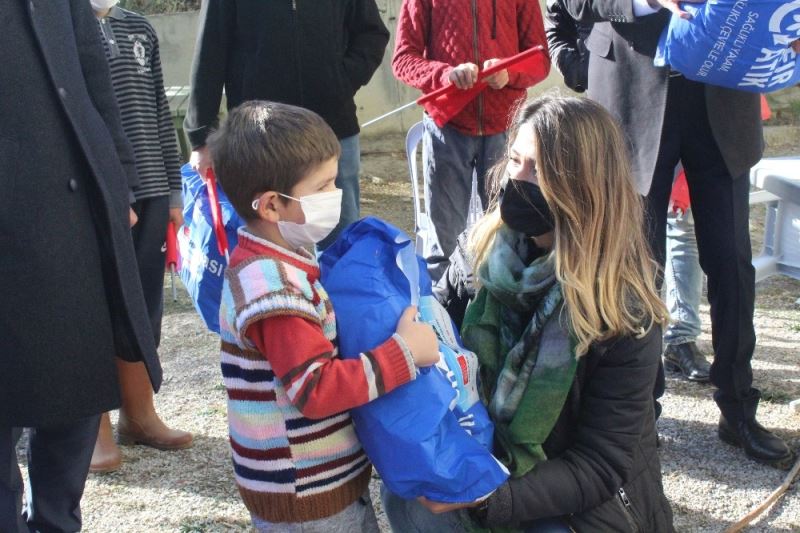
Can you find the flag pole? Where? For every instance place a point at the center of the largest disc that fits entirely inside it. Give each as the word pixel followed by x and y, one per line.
pixel 392 112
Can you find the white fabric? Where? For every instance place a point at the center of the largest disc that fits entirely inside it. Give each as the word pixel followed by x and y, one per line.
pixel 641 8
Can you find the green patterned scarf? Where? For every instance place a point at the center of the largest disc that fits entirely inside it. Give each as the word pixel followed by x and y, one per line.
pixel 526 352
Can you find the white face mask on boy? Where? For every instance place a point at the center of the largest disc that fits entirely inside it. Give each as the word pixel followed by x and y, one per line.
pixel 321 211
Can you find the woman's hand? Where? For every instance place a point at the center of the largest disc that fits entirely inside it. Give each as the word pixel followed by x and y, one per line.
pixel 439 507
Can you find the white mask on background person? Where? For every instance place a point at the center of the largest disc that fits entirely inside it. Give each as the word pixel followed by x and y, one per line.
pixel 102 5
pixel 321 211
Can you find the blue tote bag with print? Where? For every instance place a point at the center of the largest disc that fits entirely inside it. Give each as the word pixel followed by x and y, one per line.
pixel 201 263
pixel 739 44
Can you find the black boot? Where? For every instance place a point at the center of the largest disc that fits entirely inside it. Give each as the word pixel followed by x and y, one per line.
pixel 688 360
pixel 738 427
pixel 757 441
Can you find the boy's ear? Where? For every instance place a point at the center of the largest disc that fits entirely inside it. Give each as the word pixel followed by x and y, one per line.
pixel 269 207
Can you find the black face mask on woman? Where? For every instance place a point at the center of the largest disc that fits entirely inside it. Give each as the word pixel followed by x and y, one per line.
pixel 523 208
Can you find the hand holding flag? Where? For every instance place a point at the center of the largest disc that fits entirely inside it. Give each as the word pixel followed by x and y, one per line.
pixel 443 104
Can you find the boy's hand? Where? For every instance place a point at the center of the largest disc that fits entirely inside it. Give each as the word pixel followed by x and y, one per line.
pixel 132 218
pixel 464 75
pixel 419 338
pixel 498 80
pixel 200 161
pixel 176 216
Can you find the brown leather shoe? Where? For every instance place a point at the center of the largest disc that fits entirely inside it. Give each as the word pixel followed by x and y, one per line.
pixel 106 456
pixel 153 433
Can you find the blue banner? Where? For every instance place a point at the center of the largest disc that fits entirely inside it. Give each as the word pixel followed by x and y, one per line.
pixel 739 44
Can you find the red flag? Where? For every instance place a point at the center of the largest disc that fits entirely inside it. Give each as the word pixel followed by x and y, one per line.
pixel 216 213
pixel 172 248
pixel 679 199
pixel 172 256
pixel 443 104
pixel 766 112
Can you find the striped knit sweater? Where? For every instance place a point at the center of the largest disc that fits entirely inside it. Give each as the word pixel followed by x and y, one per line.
pixel 295 454
pixel 131 46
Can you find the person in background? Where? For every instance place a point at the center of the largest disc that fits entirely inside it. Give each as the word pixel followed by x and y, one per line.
pixel 683 277
pixel 296 458
pixel 717 136
pixel 683 288
pixel 442 43
pixel 131 47
pixel 314 54
pixel 566 43
pixel 72 299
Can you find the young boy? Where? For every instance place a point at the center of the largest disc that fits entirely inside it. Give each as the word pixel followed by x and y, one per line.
pixel 444 42
pixel 295 453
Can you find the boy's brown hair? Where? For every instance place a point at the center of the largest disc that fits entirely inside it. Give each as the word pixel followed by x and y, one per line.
pixel 267 146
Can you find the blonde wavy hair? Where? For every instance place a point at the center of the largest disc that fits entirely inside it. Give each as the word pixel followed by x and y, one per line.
pixel 602 258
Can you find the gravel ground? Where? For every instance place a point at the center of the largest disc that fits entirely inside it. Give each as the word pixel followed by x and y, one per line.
pixel 710 484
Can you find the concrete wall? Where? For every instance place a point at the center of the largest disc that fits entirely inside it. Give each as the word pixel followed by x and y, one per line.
pixel 177 34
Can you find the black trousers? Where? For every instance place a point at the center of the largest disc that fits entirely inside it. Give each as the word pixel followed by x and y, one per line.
pixel 721 214
pixel 149 242
pixel 58 463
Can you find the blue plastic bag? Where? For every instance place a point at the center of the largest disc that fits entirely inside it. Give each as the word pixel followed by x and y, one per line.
pixel 739 44
pixel 201 265
pixel 412 435
pixel 461 366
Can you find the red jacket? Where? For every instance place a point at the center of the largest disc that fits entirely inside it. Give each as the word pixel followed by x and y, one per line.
pixel 433 36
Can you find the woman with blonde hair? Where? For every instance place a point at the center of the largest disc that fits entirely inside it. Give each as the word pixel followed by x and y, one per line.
pixel 566 321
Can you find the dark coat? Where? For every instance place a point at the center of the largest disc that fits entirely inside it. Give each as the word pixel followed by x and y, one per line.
pixel 310 53
pixel 68 277
pixel 603 472
pixel 566 43
pixel 622 78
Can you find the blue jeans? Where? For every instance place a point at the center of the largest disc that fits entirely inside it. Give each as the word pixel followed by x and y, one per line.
pixel 683 280
pixel 449 158
pixel 409 516
pixel 347 181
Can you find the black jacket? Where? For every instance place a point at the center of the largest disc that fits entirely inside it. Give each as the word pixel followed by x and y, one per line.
pixel 310 53
pixel 624 80
pixel 566 43
pixel 603 472
pixel 70 288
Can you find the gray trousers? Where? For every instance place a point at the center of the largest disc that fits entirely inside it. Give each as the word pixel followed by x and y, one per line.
pixel 449 158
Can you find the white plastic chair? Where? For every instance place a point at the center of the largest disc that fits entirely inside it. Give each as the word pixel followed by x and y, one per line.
pixel 423 225
pixel 779 181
